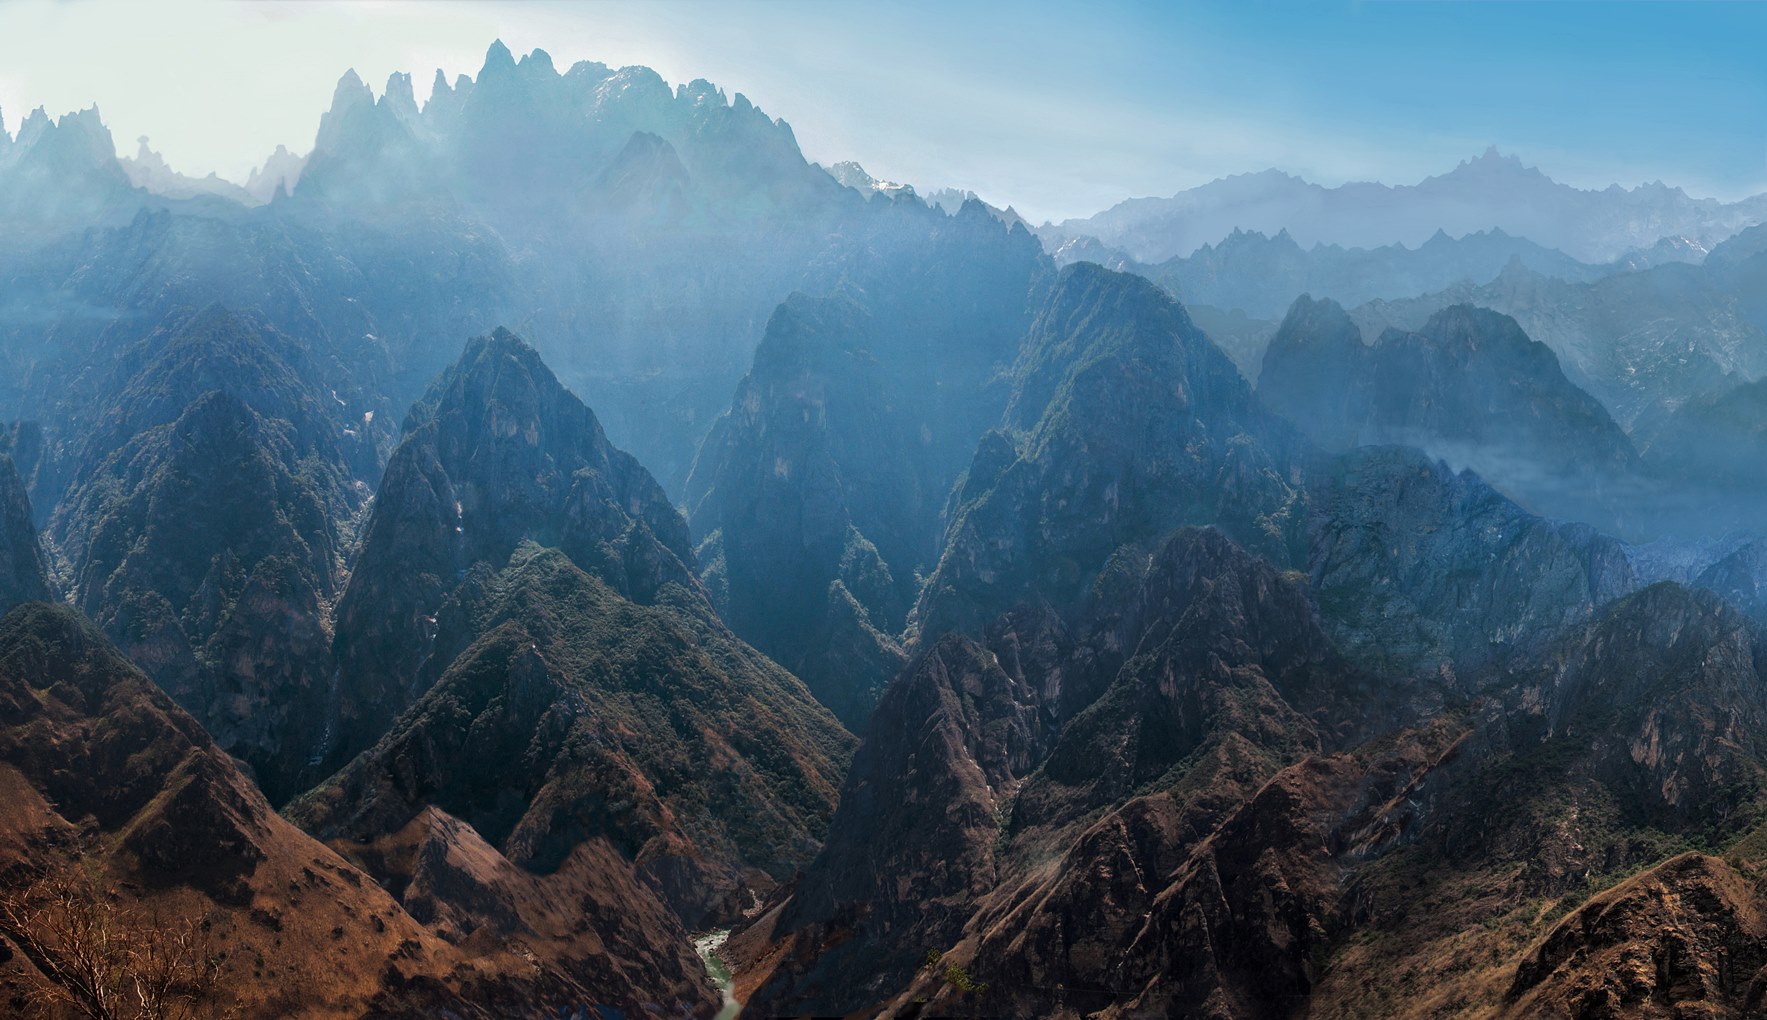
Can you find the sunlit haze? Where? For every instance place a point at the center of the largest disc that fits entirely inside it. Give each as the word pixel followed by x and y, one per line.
pixel 1057 109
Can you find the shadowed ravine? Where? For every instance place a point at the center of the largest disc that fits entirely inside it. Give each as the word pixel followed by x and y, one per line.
pixel 707 946
pixel 551 549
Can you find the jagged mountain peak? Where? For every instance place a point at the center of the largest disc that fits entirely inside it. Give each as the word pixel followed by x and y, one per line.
pixel 180 831
pixel 497 454
pixel 502 70
pixel 278 174
pixel 498 62
pixel 521 147
pixel 590 70
pixel 498 371
pixel 1104 348
pixel 399 95
pixel 1267 174
pixel 536 63
pixel 356 126
pixel 148 170
pixel 633 80
pixel 1671 608
pixel 852 175
pixel 78 135
pixel 147 156
pixel 351 89
pixel 521 447
pixel 1083 278
pixel 1241 240
pixel 445 99
pixel 202 524
pixel 646 178
pixel 1492 156
pixel 35 123
pixel 501 342
pixel 700 91
pixel 1081 290
pixel 1312 321
pixel 1468 326
pixel 1493 165
pixel 1121 316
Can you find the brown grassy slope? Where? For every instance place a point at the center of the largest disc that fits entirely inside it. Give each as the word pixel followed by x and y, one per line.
pixel 97 761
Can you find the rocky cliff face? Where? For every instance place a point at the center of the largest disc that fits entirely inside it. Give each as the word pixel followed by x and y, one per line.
pixel 1197 677
pixel 810 489
pixel 1688 937
pixel 497 453
pixel 1417 567
pixel 1664 695
pixel 1183 779
pixel 948 746
pixel 1215 835
pixel 1125 422
pixel 526 649
pixel 1740 576
pixel 107 776
pixel 578 717
pixel 205 529
pixel 1626 743
pixel 820 492
pixel 1145 913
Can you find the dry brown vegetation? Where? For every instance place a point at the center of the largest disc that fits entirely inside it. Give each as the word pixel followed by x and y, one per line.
pixel 103 957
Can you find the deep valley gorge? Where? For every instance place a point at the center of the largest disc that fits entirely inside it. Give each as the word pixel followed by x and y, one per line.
pixel 556 550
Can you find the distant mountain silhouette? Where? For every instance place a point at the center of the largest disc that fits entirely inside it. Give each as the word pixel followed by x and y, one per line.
pixel 1491 191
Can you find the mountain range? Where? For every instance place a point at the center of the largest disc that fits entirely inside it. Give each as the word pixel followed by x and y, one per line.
pixel 1260 276
pixel 556 551
pixel 1491 191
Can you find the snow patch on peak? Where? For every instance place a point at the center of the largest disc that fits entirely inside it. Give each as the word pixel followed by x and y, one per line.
pixel 853 175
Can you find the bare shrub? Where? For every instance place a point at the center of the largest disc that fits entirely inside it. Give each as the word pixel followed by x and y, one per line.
pixel 104 959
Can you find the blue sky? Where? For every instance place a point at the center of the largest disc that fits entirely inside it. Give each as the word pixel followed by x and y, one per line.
pixel 1058 108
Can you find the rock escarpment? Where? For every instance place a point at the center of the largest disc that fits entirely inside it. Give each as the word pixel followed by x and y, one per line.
pixel 532 668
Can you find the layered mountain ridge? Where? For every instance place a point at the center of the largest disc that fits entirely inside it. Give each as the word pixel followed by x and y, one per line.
pixel 1157 696
pixel 138 853
pixel 1261 275
pixel 1492 190
pixel 1206 665
pixel 1469 387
